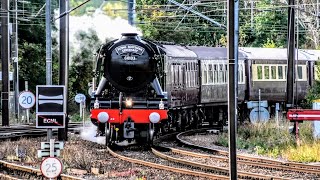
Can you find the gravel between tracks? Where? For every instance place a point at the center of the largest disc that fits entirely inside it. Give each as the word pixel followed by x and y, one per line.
pixel 207 140
pixel 85 159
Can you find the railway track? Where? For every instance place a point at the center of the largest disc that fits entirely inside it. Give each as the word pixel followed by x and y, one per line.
pixel 15 171
pixel 215 169
pixel 167 168
pixel 15 132
pixel 24 172
pixel 245 159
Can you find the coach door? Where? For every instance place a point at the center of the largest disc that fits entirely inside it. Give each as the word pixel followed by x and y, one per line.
pixel 177 81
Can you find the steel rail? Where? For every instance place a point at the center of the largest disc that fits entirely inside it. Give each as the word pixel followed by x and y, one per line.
pixel 167 168
pixel 247 157
pixel 5 176
pixel 241 174
pixel 31 170
pixel 249 163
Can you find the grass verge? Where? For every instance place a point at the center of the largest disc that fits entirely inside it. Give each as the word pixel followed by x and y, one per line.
pixel 276 141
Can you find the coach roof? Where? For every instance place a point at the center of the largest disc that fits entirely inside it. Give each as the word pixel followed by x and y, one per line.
pixel 212 53
pixel 178 51
pixel 255 53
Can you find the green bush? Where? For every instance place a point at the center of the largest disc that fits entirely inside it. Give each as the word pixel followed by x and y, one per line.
pixel 275 141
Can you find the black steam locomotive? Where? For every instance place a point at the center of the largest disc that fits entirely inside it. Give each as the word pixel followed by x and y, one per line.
pixel 129 101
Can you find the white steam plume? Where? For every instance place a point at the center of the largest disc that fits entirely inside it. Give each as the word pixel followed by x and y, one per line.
pixel 89 133
pixel 105 27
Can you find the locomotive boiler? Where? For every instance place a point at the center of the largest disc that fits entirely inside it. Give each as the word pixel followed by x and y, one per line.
pixel 129 102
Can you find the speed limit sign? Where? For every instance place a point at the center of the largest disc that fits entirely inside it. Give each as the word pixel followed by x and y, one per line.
pixel 27 99
pixel 51 167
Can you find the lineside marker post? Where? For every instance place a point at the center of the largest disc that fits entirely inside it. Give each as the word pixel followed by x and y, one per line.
pixel 297 133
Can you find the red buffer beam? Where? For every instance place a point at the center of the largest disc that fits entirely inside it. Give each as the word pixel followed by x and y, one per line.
pixel 303 115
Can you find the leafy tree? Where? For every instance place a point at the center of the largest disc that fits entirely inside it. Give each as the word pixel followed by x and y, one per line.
pixel 88 7
pixel 314 91
pixel 116 9
pixel 80 73
pixel 32 49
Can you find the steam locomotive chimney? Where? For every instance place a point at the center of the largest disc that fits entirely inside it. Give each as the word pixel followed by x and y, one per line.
pixel 130 36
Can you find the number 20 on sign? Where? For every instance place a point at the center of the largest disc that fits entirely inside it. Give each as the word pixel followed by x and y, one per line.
pixel 27 99
pixel 51 167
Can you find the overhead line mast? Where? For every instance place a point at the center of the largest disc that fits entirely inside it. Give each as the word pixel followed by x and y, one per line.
pixel 5 58
pixel 232 31
pixel 291 54
pixel 64 62
pixel 48 53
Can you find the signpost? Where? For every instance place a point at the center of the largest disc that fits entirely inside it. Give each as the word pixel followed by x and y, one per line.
pixel 50 107
pixel 81 98
pixel 303 115
pixel 51 167
pixel 297 115
pixel 27 99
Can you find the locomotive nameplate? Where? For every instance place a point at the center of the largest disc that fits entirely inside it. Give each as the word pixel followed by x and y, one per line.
pixel 129 52
pixel 129 48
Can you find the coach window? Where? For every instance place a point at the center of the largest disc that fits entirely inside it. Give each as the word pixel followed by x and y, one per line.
pixel 210 74
pixel 273 72
pixel 215 73
pixel 171 73
pixel 188 75
pixel 299 72
pixel 280 72
pixel 204 74
pixel 225 73
pixel 177 74
pixel 285 71
pixel 196 74
pixel 221 73
pixel 191 74
pixel 174 75
pixel 194 77
pixel 180 75
pixel 266 72
pixel 240 73
pixel 259 72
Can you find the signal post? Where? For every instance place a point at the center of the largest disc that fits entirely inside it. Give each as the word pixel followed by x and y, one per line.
pixel 50 109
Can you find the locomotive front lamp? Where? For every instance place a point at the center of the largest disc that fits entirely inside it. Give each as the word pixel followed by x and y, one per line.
pixel 103 117
pixel 129 103
pixel 154 117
